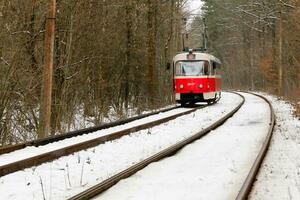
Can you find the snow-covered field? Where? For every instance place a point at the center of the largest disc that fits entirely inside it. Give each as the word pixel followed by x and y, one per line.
pixel 279 178
pixel 213 167
pixel 69 175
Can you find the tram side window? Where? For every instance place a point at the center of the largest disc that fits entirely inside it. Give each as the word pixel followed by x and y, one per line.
pixel 206 68
pixel 178 70
pixel 215 68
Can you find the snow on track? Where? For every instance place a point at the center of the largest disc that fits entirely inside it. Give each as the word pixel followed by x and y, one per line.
pixel 213 167
pixel 72 174
pixel 279 177
pixel 32 151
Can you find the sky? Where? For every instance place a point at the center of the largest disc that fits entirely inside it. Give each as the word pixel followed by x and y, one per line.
pixel 195 6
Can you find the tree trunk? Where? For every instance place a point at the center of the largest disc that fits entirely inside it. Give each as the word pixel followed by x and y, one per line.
pixel 280 72
pixel 151 49
pixel 129 50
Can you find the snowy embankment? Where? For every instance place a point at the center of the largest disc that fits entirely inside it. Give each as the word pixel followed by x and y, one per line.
pixel 279 177
pixel 213 167
pixel 71 174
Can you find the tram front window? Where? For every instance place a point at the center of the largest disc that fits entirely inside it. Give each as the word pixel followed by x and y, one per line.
pixel 188 68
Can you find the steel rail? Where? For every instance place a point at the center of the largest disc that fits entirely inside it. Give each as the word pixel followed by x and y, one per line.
pixel 52 155
pixel 247 185
pixel 101 187
pixel 55 138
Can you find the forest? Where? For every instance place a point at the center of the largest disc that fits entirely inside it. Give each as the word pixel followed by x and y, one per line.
pixel 110 56
pixel 258 42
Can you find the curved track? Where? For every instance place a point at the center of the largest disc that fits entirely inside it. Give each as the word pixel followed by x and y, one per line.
pixel 246 188
pixel 99 188
pixel 243 192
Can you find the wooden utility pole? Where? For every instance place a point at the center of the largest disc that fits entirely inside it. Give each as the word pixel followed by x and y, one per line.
pixel 204 35
pixel 184 19
pixel 45 109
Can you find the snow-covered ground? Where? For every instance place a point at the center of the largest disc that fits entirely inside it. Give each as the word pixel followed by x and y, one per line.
pixel 71 174
pixel 279 177
pixel 213 167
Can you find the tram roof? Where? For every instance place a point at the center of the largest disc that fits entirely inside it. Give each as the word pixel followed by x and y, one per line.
pixel 198 56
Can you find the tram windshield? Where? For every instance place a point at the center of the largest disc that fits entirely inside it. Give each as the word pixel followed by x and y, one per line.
pixel 191 68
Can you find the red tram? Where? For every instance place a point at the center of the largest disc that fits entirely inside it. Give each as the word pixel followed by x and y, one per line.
pixel 196 77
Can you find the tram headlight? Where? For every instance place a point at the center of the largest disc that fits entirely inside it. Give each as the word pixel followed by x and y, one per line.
pixel 200 86
pixel 181 86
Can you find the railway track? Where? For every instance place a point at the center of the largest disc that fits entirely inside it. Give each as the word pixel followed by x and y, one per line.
pixel 104 185
pixel 109 182
pixel 55 138
pixel 247 185
pixel 67 150
pixel 243 192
